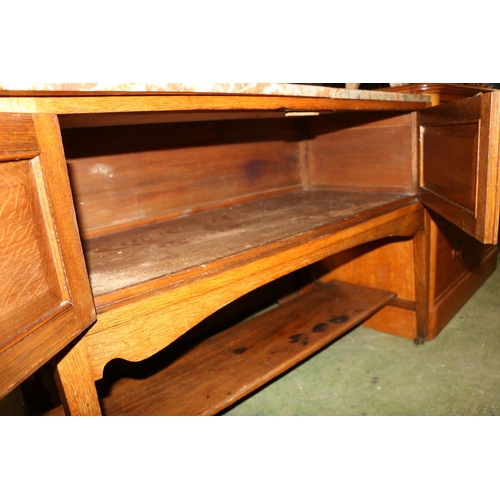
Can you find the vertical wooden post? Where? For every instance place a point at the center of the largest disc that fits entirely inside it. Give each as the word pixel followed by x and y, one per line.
pixel 421 251
pixel 75 382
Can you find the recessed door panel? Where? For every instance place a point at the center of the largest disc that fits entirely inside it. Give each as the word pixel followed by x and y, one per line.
pixel 45 297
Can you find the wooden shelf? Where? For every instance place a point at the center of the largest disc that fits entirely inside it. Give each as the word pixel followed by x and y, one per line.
pixel 208 240
pixel 223 368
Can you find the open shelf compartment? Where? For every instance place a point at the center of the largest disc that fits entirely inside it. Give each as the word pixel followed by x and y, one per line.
pixel 131 261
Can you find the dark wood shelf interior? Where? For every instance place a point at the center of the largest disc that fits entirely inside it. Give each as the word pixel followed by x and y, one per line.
pixel 210 239
pixel 208 376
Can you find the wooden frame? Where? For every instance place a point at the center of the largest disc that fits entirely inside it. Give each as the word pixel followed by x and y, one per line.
pixel 224 194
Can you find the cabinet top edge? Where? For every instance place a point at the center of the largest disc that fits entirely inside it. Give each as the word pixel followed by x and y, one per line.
pixel 429 88
pixel 27 89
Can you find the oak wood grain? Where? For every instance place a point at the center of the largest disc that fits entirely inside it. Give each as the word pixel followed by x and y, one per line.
pixel 74 381
pixel 45 294
pixel 138 104
pixel 28 278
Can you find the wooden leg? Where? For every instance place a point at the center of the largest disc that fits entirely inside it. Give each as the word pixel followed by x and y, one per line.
pixel 75 382
pixel 421 250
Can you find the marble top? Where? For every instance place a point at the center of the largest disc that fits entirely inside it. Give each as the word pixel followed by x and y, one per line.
pixel 277 89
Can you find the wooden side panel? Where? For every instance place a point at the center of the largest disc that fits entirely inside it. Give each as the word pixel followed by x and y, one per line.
pixel 459 144
pixel 30 286
pixel 386 264
pixel 370 152
pixel 394 320
pixel 125 176
pixel 461 290
pixel 45 298
pixel 457 254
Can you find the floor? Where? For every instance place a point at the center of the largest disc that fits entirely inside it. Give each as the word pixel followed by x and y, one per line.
pixel 370 373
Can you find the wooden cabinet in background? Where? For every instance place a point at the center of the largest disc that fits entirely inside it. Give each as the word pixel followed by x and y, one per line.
pixel 186 203
pixel 459 263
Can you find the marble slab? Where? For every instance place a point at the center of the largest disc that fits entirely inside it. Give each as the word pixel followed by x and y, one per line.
pixel 278 89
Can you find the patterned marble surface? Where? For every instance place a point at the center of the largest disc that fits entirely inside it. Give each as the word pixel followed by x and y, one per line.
pixel 280 89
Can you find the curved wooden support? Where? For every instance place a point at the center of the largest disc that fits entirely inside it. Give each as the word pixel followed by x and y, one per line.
pixel 137 330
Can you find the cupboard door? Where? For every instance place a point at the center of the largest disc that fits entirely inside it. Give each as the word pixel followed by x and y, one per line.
pixel 459 163
pixel 45 296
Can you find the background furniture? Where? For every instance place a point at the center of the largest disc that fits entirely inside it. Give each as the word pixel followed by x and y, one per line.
pixel 459 263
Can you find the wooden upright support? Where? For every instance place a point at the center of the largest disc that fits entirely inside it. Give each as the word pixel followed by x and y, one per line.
pixel 75 382
pixel 421 249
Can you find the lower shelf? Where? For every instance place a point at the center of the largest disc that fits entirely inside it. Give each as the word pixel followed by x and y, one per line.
pixel 223 368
